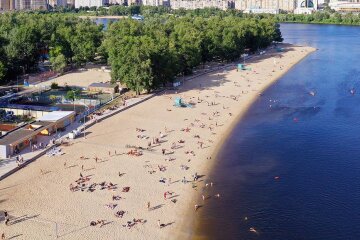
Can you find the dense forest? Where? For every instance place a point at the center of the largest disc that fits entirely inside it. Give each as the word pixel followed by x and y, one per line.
pixel 145 55
pixel 28 38
pixel 142 54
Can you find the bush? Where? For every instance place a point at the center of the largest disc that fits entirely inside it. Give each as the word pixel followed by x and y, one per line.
pixel 54 85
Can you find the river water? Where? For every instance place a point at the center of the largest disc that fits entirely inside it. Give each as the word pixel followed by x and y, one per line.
pixel 311 144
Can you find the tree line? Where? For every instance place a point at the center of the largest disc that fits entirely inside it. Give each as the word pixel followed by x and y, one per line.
pixel 26 39
pixel 143 55
pixel 146 55
pixel 324 17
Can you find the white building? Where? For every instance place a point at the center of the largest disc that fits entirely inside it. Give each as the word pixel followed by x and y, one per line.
pixel 90 3
pixel 307 6
pixel 345 6
pixel 198 4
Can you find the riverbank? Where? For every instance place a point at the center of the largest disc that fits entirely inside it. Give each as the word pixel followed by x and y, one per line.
pixel 146 183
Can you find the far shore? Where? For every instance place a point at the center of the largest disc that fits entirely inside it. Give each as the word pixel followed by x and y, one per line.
pixel 147 183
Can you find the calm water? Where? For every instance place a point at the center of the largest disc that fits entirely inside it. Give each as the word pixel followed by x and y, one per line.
pixel 105 21
pixel 317 158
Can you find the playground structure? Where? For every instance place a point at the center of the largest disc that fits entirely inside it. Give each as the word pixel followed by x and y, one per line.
pixel 242 67
pixel 180 103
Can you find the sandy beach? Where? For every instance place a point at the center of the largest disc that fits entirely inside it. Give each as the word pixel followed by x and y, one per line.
pixel 139 193
pixel 79 78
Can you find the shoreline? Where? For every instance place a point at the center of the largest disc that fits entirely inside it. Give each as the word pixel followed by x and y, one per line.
pixel 48 192
pixel 215 153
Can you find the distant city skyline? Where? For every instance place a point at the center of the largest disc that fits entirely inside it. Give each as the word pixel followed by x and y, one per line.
pixel 254 6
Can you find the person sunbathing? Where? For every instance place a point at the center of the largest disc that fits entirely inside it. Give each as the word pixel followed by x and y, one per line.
pixel 111 205
pixel 116 197
pixel 119 214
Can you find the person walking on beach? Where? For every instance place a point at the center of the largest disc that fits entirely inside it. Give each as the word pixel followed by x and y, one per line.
pixel 158 223
pixel 196 207
pixel 148 206
pixel 3 236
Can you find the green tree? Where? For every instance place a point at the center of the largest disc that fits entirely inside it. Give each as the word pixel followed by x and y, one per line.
pixel 58 63
pixel 2 72
pixel 73 94
pixel 22 49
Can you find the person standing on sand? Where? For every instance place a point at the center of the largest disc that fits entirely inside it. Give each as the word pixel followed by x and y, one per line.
pixel 3 236
pixel 158 223
pixel 196 207
pixel 184 180
pixel 148 206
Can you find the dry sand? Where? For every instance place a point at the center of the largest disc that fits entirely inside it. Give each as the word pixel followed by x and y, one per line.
pixel 41 206
pixel 80 78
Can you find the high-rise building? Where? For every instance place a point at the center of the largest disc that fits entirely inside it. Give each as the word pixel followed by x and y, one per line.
pixel 90 3
pixel 4 5
pixel 38 4
pixel 54 3
pixel 196 4
pixel 28 4
pixel 248 5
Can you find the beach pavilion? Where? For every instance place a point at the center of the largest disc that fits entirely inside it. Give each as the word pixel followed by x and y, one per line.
pixel 25 135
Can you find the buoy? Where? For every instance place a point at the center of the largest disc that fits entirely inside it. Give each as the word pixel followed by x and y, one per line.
pixel 276 177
